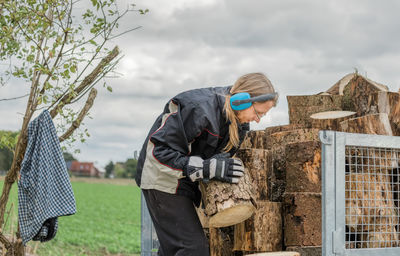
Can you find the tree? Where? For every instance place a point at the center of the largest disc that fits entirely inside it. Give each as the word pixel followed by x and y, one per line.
pixel 109 169
pixel 130 167
pixel 68 157
pixel 119 170
pixel 61 54
pixel 6 155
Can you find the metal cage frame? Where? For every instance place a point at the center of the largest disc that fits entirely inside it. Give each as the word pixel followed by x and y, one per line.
pixel 333 190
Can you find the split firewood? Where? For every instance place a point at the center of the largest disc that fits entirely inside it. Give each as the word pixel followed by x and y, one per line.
pixel 369 124
pixel 303 167
pixel 330 120
pixel 302 107
pixel 262 232
pixel 386 102
pixel 303 219
pixel 357 92
pixel 339 87
pixel 221 241
pixel 369 202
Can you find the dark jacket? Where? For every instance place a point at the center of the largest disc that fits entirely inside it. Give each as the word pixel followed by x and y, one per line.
pixel 193 123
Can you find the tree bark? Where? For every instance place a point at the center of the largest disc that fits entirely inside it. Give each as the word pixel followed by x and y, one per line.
pixel 330 120
pixel 228 204
pixel 369 124
pixel 221 241
pixel 262 232
pixel 257 162
pixel 302 107
pixel 303 167
pixel 302 219
pixel 357 92
pixel 386 102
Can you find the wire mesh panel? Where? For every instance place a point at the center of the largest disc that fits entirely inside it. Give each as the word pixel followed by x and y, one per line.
pixel 371 194
pixel 360 185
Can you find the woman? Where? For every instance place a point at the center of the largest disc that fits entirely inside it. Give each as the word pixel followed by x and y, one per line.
pixel 191 141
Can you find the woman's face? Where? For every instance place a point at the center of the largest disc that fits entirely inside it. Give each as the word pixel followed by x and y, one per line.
pixel 255 112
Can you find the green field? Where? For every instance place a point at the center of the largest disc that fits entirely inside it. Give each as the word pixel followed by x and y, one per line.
pixel 107 222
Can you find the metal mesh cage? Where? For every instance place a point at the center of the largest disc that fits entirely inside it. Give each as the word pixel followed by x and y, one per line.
pixel 371 197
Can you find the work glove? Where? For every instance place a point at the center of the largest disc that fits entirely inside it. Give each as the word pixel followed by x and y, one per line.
pixel 220 167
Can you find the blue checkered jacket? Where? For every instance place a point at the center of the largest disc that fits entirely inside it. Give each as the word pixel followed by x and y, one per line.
pixel 44 188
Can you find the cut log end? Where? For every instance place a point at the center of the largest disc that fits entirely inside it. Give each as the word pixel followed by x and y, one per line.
pixel 232 215
pixel 332 114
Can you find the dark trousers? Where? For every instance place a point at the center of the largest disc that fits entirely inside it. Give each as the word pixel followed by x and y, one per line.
pixel 177 225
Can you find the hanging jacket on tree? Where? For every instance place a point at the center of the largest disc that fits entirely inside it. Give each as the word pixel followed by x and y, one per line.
pixel 193 123
pixel 44 188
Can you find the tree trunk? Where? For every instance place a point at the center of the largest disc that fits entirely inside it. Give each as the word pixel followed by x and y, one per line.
pixel 369 124
pixel 228 204
pixel 330 120
pixel 302 107
pixel 262 232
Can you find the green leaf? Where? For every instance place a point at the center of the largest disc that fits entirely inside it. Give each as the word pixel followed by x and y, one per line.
pixel 109 88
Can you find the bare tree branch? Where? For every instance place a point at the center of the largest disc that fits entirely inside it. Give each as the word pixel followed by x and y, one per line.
pixel 75 124
pixel 86 82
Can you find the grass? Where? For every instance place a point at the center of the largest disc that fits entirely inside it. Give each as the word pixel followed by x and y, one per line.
pixel 107 222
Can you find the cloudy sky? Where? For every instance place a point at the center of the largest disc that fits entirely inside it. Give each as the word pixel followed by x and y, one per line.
pixel 304 47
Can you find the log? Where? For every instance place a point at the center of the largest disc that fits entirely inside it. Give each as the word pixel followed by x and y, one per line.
pixel 258 138
pixel 356 94
pixel 221 241
pixel 302 219
pixel 370 124
pixel 369 159
pixel 303 167
pixel 228 204
pixel 339 87
pixel 369 202
pixel 276 144
pixel 254 139
pixel 381 238
pixel 202 216
pixel 306 250
pixel 302 107
pixel 386 102
pixel 256 162
pixel 330 120
pixel 262 232
pixel 279 139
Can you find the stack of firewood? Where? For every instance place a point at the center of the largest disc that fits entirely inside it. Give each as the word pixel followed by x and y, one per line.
pixel 283 165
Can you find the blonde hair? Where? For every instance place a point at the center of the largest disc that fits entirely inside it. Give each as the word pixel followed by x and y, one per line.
pixel 255 84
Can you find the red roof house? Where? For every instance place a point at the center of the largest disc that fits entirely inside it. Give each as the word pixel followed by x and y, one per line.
pixel 86 169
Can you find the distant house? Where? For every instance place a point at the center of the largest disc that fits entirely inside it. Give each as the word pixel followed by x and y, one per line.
pixel 85 169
